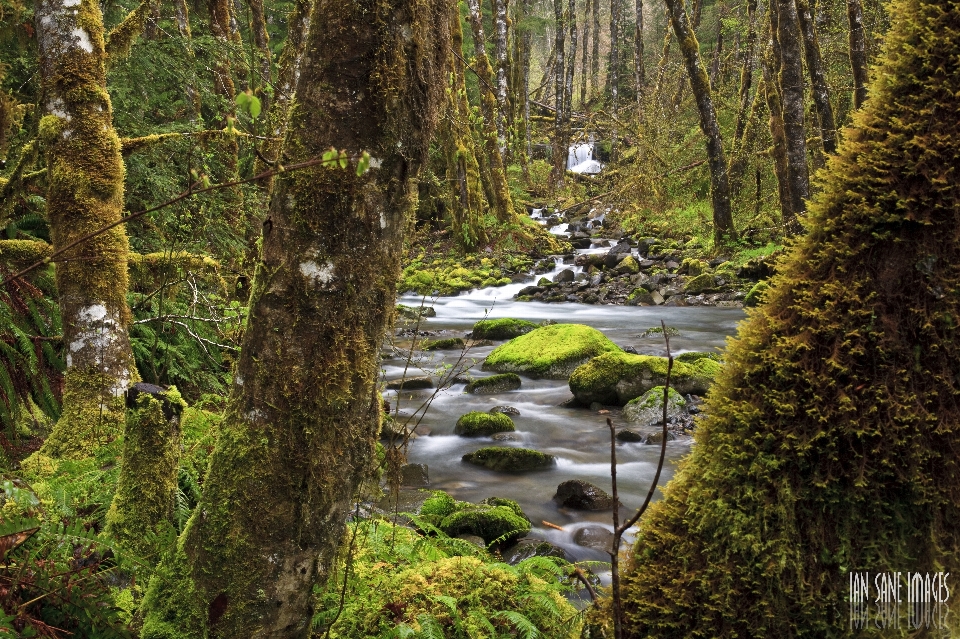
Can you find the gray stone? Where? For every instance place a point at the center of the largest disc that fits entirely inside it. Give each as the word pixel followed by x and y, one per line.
pixel 566 275
pixel 473 539
pixel 414 475
pixel 506 410
pixel 411 383
pixel 657 438
pixel 582 495
pixel 596 537
pixel 647 409
pixel 527 548
pixel 630 436
pixel 657 298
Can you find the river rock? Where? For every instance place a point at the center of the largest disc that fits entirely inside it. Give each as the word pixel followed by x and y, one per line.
pixel 527 548
pixel 596 537
pixel 506 437
pixel 628 265
pixel 647 410
pixel 657 438
pixel 445 344
pixel 630 436
pixel 582 495
pixel 700 284
pixel 510 459
pixel 500 383
pixel 477 424
pixel 414 313
pixel 411 383
pixel 656 297
pixel 566 275
pixel 551 352
pixel 414 475
pixel 476 540
pixel 618 377
pixel 506 410
pixel 487 522
pixel 503 328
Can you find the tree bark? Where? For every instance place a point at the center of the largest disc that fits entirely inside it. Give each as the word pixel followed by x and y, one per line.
pixel 85 175
pixel 718 49
pixel 818 77
pixel 500 60
pixel 584 61
pixel 779 149
pixel 559 149
pixel 858 52
pixel 571 66
pixel 595 60
pixel 613 73
pixel 301 424
pixel 261 41
pixel 791 88
pixel 638 70
pixel 723 229
pixel 182 15
pixel 746 73
pixel 497 176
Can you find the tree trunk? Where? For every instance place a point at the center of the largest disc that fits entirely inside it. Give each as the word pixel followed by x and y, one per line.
pixel 299 432
pixel 571 66
pixel 500 59
pixel 638 70
pixel 584 62
pixel 468 203
pixel 791 88
pixel 858 52
pixel 844 380
pixel 718 49
pixel 723 229
pixel 261 41
pixel 85 175
pixel 779 149
pixel 498 189
pixel 818 78
pixel 559 148
pixel 664 58
pixel 182 15
pixel 613 73
pixel 595 61
pixel 746 73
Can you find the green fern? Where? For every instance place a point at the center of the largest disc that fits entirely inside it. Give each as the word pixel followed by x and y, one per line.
pixel 525 627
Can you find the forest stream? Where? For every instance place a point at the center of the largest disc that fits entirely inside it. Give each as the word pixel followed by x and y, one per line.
pixel 578 437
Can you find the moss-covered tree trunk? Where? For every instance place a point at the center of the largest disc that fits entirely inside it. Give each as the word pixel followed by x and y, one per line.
pixel 858 51
pixel 301 424
pixel 746 73
pixel 818 77
pixel 639 73
pixel 787 34
pixel 831 437
pixel 85 178
pixel 502 68
pixel 585 55
pixel 723 229
pixel 595 54
pixel 263 69
pixel 182 15
pixel 559 139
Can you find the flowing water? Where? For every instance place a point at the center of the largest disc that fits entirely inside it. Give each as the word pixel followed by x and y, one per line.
pixel 578 437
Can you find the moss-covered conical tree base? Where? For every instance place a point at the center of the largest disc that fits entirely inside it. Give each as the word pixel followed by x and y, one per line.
pixel 832 442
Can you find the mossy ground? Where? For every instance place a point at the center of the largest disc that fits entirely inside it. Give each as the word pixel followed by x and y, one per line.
pixel 551 352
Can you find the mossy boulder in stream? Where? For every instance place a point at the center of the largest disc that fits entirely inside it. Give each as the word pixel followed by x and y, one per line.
pixel 510 459
pixel 445 344
pixel 647 409
pixel 616 378
pixel 488 522
pixel 500 383
pixel 503 328
pixel 478 424
pixel 551 352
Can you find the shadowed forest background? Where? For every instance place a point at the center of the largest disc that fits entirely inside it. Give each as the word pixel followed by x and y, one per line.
pixel 238 239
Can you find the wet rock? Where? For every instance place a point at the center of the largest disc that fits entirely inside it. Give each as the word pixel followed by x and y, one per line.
pixel 544 266
pixel 506 437
pixel 618 377
pixel 676 300
pixel 580 243
pixel 510 459
pixel 527 548
pixel 484 521
pixel 494 384
pixel 506 410
pixel 477 424
pixel 672 265
pixel 472 539
pixel 630 436
pixel 550 352
pixel 657 298
pixel 414 475
pixel 566 275
pixel 411 383
pixel 657 438
pixel 529 291
pixel 413 313
pixel 596 537
pixel 700 284
pixel 647 410
pixel 446 344
pixel 582 495
pixel 628 265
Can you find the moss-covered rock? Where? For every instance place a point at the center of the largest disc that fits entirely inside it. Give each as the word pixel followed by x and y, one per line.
pixel 503 328
pixel 499 383
pixel 647 409
pixel 628 265
pixel 489 522
pixel 582 495
pixel 640 296
pixel 438 506
pixel 477 424
pixel 510 459
pixel 616 378
pixel 700 284
pixel 695 356
pixel 551 352
pixel 445 344
pixel 509 503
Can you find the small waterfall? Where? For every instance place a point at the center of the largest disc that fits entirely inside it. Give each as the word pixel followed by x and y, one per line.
pixel 580 160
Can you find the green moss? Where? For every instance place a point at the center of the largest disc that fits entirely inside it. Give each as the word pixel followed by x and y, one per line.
pixel 628 265
pixel 552 352
pixel 695 356
pixel 755 295
pixel 509 503
pixel 503 328
pixel 616 378
pixel 510 459
pixel 445 344
pixel 488 522
pixel 494 384
pixel 18 254
pixel 700 284
pixel 439 505
pixel 477 424
pixel 654 398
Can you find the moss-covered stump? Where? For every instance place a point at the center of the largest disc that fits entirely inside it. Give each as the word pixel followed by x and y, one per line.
pixel 489 522
pixel 500 383
pixel 478 424
pixel 831 436
pixel 445 344
pixel 510 459
pixel 551 352
pixel 616 378
pixel 647 409
pixel 503 328
pixel 147 487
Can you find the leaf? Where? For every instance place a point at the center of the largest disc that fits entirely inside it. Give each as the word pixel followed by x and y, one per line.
pixel 11 541
pixel 255 107
pixel 243 99
pixel 343 159
pixel 363 164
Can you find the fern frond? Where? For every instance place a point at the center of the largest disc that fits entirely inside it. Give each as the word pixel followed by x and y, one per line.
pixel 525 627
pixel 430 627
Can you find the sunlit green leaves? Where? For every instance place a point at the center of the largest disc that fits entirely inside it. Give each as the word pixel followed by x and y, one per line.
pixel 249 103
